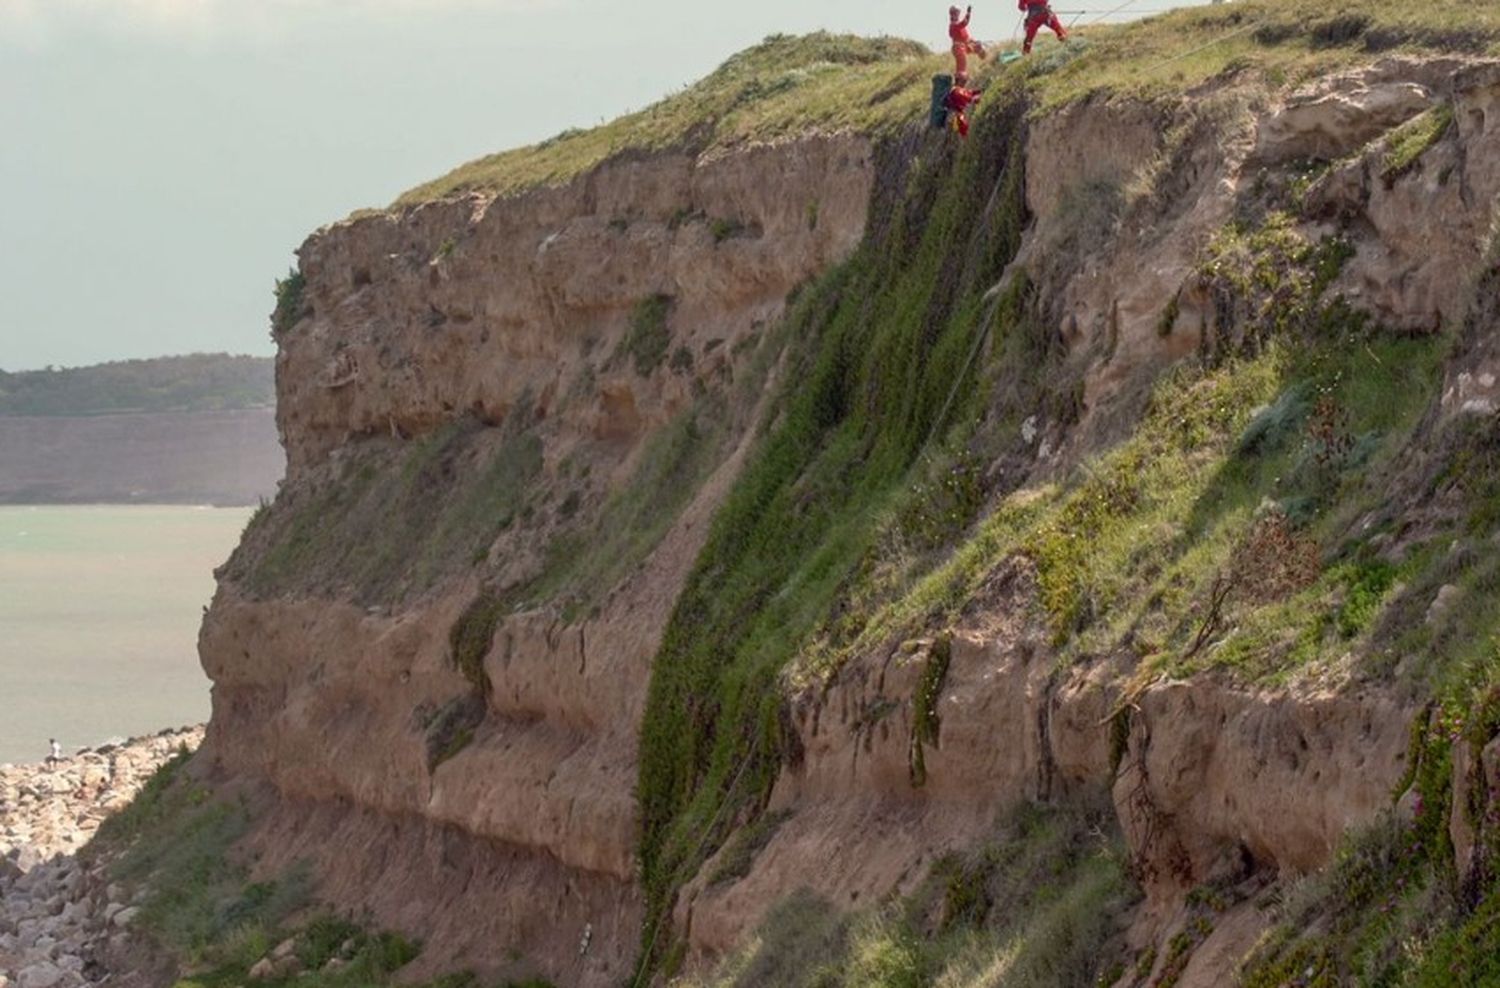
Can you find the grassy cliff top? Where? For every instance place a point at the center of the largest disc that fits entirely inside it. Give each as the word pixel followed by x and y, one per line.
pixel 822 83
pixel 1287 41
pixel 782 86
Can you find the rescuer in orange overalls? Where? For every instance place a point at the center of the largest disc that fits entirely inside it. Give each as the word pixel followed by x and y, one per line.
pixel 963 45
pixel 958 101
pixel 1039 13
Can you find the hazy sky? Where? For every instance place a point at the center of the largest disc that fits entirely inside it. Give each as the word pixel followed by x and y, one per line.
pixel 161 159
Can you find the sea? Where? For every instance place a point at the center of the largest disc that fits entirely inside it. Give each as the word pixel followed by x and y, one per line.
pixel 99 616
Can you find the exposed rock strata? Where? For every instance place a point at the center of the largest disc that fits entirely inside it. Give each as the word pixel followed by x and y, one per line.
pixel 492 309
pixel 514 313
pixel 1217 781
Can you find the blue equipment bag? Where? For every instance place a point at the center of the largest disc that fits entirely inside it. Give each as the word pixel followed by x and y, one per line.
pixel 941 86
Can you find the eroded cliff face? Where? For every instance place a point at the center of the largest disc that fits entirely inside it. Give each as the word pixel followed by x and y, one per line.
pixel 580 321
pixel 522 361
pixel 492 307
pixel 1213 781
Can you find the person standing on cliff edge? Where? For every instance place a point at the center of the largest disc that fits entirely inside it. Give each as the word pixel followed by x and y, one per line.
pixel 1039 13
pixel 55 758
pixel 963 44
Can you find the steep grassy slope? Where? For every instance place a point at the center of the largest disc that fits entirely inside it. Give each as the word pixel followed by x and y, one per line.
pixel 886 364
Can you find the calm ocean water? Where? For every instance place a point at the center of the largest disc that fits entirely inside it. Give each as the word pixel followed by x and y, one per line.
pixel 99 614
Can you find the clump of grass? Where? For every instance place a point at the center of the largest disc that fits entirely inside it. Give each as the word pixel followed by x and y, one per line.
pixel 150 805
pixel 1060 880
pixel 450 729
pixel 1131 549
pixel 472 634
pixel 393 519
pixel 724 229
pixel 177 842
pixel 648 338
pixel 1412 139
pixel 291 305
pixel 926 724
pixel 582 567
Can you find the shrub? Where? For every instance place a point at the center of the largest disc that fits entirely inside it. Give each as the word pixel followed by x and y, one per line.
pixel 471 636
pixel 726 229
pixel 291 307
pixel 1411 140
pixel 648 338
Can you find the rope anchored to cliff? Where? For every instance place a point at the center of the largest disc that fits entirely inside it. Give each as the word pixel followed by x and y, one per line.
pixel 643 969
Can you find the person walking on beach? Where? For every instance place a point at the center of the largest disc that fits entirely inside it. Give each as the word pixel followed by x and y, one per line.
pixel 56 757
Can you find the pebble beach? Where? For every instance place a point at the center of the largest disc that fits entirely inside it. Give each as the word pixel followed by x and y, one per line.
pixel 61 918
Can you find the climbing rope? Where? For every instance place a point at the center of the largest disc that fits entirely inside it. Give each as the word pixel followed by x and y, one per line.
pixel 1205 47
pixel 640 973
pixel 1113 11
pixel 984 334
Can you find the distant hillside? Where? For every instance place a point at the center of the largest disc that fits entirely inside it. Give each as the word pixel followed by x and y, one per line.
pixel 196 383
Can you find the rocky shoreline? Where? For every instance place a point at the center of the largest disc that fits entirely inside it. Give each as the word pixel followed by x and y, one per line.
pixel 59 917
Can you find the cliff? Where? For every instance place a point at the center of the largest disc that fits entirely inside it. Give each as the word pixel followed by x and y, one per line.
pixel 792 548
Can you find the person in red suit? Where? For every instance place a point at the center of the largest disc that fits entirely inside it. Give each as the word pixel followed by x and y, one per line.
pixel 1038 14
pixel 963 44
pixel 958 101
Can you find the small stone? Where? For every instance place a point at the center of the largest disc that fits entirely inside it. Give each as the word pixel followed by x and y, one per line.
pixel 126 916
pixel 43 975
pixel 263 970
pixel 1443 603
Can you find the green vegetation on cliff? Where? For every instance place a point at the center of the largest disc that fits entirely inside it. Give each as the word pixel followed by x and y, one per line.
pixel 1249 525
pixel 889 352
pixel 199 906
pixel 1038 906
pixel 395 518
pixel 205 382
